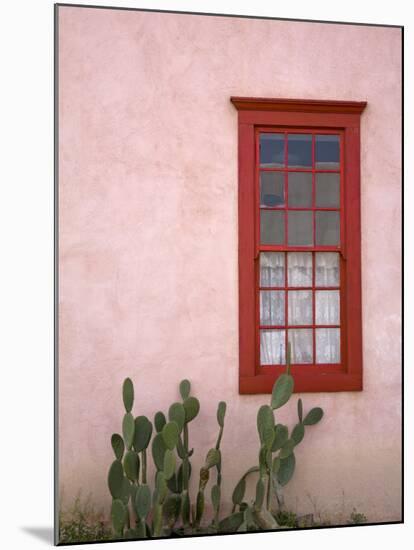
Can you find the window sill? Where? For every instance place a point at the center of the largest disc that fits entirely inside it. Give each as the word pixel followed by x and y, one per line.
pixel 309 382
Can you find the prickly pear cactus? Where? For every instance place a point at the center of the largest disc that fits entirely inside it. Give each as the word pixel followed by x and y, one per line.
pixel 277 460
pixel 157 511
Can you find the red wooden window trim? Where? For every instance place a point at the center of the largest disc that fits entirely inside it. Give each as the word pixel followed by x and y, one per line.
pixel 312 116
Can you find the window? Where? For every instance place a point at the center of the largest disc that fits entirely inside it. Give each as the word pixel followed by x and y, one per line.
pixel 299 243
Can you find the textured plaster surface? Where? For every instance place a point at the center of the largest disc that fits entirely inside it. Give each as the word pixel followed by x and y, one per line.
pixel 148 241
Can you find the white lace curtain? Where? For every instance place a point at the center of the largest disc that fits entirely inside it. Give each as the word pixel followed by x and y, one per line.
pixel 300 307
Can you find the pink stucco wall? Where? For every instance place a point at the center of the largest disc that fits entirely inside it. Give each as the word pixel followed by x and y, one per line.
pixel 148 240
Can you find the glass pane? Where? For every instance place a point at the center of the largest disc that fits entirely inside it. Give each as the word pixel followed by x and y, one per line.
pixel 272 227
pixel 300 307
pixel 300 268
pixel 300 189
pixel 272 269
pixel 272 150
pixel 327 152
pixel 272 347
pixel 301 345
pixel 299 150
pixel 300 228
pixel 272 189
pixel 327 307
pixel 327 269
pixel 328 348
pixel 327 190
pixel 327 228
pixel 272 307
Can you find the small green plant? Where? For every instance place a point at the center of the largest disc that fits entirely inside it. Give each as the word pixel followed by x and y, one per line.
pixel 82 523
pixel 286 519
pixel 357 518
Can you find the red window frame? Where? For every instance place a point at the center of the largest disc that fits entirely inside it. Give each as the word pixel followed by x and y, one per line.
pixel 305 116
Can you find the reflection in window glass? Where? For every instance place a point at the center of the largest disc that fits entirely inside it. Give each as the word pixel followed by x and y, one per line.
pixel 300 189
pixel 300 230
pixel 272 347
pixel 272 227
pixel 299 150
pixel 272 150
pixel 327 228
pixel 327 190
pixel 327 152
pixel 272 189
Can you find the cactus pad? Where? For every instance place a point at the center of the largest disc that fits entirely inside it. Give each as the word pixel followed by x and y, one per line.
pixel 287 467
pixel 128 429
pixel 287 449
pixel 313 416
pixel 282 390
pixel 176 413
pixel 143 501
pixel 300 410
pixel 119 515
pixel 221 412
pixel 128 394
pixel 115 479
pixel 118 446
pixel 158 451
pixel 298 433
pixel 213 458
pixel 159 421
pixel 260 494
pixel 239 490
pixel 281 436
pixel 131 465
pixel 231 523
pixel 215 497
pixel 170 434
pixel 142 434
pixel 185 388
pixel 191 406
pixel 169 464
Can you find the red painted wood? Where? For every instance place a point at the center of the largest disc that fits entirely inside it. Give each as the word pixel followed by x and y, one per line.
pixel 246 251
pixel 278 327
pixel 300 208
pixel 298 105
pixel 300 287
pixel 314 236
pixel 310 117
pixel 284 247
pixel 304 120
pixel 353 252
pixel 310 382
pixel 310 170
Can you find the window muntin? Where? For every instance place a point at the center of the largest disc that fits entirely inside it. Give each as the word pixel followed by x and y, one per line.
pixel 299 175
